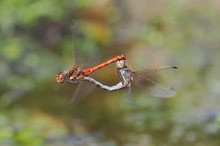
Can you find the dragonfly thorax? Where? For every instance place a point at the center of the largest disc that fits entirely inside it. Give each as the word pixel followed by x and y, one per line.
pixel 76 73
pixel 125 75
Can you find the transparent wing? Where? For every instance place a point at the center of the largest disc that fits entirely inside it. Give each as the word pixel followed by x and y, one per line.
pixel 145 80
pixel 130 99
pixel 82 91
pixel 85 51
pixel 84 55
pixel 161 91
pixel 77 39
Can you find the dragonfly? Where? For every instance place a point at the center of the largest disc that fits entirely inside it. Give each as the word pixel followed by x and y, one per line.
pixel 77 73
pixel 128 79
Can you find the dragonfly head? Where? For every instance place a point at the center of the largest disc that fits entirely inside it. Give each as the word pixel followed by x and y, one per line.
pixel 60 77
pixel 121 64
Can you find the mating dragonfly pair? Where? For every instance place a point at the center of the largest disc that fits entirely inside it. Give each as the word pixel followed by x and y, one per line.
pixel 128 77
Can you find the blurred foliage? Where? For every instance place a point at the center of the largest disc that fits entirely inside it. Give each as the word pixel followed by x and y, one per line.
pixel 39 37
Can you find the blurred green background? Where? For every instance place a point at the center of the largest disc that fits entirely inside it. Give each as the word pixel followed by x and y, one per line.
pixel 39 37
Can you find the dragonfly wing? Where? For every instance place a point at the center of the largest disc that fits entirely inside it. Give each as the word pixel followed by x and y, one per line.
pixel 131 100
pixel 164 92
pixel 82 90
pixel 145 80
pixel 86 51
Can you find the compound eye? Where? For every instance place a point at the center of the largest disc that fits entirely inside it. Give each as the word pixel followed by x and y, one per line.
pixel 120 64
pixel 60 77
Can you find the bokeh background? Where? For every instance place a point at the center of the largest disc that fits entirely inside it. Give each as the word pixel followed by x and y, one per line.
pixel 39 37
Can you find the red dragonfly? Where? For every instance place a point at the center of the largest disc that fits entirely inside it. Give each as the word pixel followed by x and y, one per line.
pixel 76 73
pixel 128 78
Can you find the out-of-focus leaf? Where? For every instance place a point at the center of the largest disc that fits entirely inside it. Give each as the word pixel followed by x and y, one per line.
pixel 12 49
